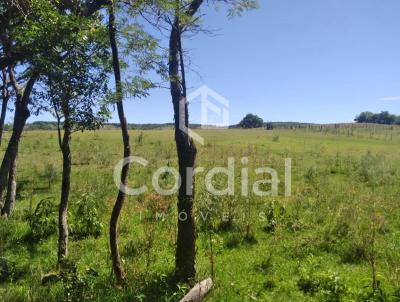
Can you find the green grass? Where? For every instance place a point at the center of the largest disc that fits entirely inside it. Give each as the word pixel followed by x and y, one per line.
pixel 316 247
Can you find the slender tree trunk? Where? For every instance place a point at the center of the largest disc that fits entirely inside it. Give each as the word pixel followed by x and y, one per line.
pixel 12 149
pixel 6 97
pixel 186 237
pixel 65 188
pixel 3 117
pixel 21 115
pixel 115 257
pixel 11 191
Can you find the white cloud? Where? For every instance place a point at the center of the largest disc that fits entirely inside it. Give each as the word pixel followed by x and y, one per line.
pixel 390 98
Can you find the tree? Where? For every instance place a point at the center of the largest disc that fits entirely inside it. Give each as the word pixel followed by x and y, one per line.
pixel 186 237
pixel 7 209
pixel 21 114
pixel 141 51
pixel 32 30
pixel 251 121
pixel 384 117
pixel 11 190
pixel 22 35
pixel 364 117
pixel 182 16
pixel 115 257
pixel 75 78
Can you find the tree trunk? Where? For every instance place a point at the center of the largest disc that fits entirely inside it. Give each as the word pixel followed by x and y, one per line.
pixel 115 256
pixel 3 117
pixel 11 191
pixel 186 237
pixel 6 97
pixel 21 115
pixel 65 188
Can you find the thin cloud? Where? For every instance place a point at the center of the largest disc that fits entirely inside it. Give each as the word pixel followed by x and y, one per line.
pixel 390 98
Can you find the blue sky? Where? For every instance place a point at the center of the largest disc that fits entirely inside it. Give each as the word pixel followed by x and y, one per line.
pixel 318 61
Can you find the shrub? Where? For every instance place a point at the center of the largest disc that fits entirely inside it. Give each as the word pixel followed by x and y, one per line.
pixel 328 286
pixel 77 287
pixel 270 217
pixel 353 252
pixel 42 222
pixel 132 249
pixel 250 238
pixel 140 137
pixel 50 173
pixel 157 207
pixel 86 220
pixel 377 295
pixel 311 173
pixel 232 241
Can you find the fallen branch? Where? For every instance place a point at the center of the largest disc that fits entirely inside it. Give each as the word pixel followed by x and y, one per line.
pixel 199 291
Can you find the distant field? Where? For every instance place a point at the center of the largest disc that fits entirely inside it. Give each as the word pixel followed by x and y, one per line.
pixel 323 243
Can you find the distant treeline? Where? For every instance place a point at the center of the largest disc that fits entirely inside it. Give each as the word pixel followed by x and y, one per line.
pixel 45 125
pixel 384 118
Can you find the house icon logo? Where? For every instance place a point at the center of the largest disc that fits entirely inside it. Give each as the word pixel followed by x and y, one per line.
pixel 214 111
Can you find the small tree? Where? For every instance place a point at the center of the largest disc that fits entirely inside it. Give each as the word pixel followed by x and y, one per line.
pixel 251 121
pixel 179 17
pixel 141 52
pixel 75 82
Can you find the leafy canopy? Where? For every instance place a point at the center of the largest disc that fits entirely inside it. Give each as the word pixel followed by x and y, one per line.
pixel 251 121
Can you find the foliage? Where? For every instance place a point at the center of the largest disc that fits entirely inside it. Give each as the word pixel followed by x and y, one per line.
pixel 77 287
pixel 329 286
pixel 378 118
pixel 251 121
pixel 74 79
pixel 50 173
pixel 239 7
pixel 42 221
pixel 86 219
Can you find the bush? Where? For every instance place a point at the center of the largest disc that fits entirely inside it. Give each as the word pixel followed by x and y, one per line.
pixel 86 220
pixel 311 173
pixel 353 253
pixel 377 295
pixel 232 241
pixel 270 217
pixel 132 249
pixel 250 238
pixel 43 222
pixel 50 173
pixel 77 287
pixel 328 286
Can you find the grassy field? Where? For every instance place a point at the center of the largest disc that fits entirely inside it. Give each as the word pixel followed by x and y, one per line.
pixel 338 230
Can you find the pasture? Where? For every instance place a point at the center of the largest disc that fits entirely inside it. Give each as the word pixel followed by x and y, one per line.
pixel 334 239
